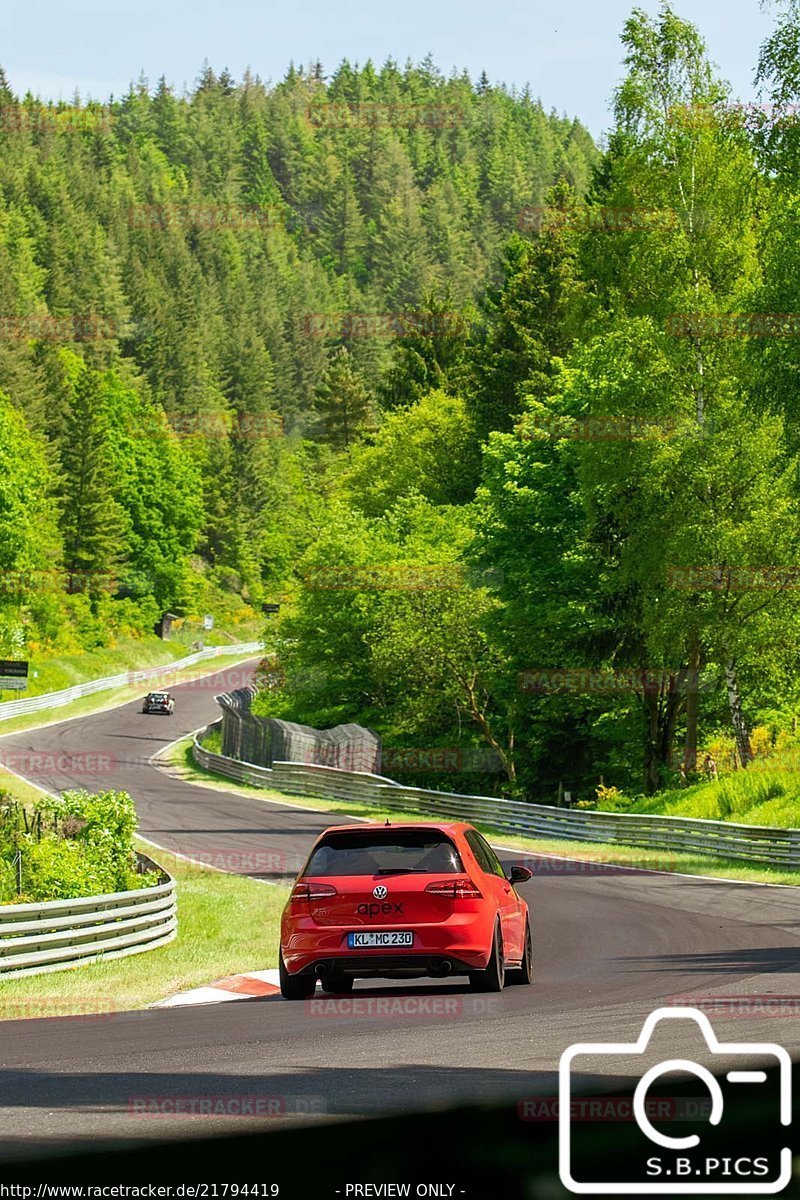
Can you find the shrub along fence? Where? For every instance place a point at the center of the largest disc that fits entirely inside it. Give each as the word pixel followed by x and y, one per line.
pixel 39 938
pixel 82 892
pixel 718 839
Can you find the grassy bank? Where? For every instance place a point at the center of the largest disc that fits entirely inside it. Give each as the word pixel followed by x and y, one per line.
pixel 767 793
pixel 53 670
pixel 181 762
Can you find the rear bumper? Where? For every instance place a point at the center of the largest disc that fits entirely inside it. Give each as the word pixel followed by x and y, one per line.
pixel 388 966
pixel 464 941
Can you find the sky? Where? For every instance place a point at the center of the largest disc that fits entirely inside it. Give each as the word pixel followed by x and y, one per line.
pixel 567 50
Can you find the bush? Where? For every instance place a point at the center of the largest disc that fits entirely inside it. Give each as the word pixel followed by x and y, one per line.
pixel 58 868
pixel 78 844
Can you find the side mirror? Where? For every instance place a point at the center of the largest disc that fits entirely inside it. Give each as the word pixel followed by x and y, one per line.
pixel 519 875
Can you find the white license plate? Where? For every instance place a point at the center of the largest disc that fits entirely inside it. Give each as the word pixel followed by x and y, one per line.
pixel 371 938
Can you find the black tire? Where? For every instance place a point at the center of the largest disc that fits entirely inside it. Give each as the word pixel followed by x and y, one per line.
pixel 524 972
pixel 295 987
pixel 493 979
pixel 337 985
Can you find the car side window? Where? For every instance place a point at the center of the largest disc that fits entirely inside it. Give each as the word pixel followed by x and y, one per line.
pixel 495 866
pixel 479 848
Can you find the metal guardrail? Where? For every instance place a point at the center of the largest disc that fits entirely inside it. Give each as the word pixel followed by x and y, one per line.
pixel 231 768
pixel 18 708
pixel 719 839
pixel 39 938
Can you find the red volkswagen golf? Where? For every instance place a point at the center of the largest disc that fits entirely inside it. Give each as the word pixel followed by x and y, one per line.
pixel 400 901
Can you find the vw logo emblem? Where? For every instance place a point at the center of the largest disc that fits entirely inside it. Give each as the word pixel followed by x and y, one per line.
pixel 380 892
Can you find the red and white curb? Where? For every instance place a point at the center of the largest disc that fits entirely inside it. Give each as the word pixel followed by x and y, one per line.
pixel 233 987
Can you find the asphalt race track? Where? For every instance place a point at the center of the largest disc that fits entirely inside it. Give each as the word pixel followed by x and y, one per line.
pixel 609 948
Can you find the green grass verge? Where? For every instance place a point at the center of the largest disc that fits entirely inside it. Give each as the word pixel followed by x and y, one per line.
pixel 227 924
pixel 181 762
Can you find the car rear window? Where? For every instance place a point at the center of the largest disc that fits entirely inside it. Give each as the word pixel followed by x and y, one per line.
pixel 386 852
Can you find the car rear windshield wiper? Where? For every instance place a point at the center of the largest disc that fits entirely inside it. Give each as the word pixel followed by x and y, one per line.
pixel 402 871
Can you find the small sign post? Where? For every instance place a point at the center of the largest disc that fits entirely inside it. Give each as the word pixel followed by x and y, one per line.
pixel 13 675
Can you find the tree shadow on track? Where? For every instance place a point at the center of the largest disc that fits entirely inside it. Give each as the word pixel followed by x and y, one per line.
pixel 726 962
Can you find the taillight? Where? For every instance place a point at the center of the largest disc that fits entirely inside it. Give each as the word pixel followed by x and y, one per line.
pixel 460 888
pixel 312 891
